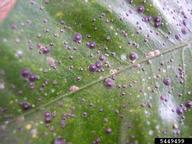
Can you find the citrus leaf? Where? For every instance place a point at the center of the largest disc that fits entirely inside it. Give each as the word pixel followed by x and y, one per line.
pixel 91 71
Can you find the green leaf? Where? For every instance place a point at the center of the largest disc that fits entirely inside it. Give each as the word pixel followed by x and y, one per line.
pixel 138 107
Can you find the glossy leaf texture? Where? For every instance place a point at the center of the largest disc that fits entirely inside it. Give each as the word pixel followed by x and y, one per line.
pixel 95 71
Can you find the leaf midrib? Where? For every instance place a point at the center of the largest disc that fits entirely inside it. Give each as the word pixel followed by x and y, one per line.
pixel 165 51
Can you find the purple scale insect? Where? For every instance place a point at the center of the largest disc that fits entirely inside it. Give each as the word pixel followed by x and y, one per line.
pixel 63 123
pixel 92 68
pixel 77 38
pixel 188 104
pixel 97 141
pixel 177 37
pixel 47 117
pixel 59 141
pixel 141 9
pixel 157 19
pixel 45 50
pixel 163 98
pixel 98 64
pixel 109 83
pixel 167 81
pixel 32 77
pixel 102 58
pixel 91 45
pixel 183 30
pixel 157 24
pixel 25 105
pixel 147 18
pixel 25 73
pixel 179 110
pixel 133 56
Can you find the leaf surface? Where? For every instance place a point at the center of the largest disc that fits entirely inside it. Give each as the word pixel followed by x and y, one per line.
pixel 147 98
